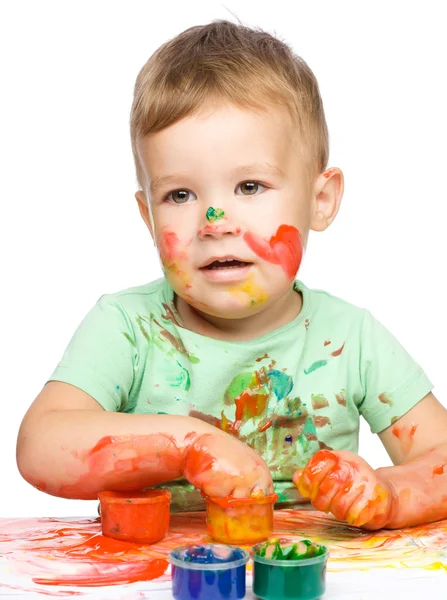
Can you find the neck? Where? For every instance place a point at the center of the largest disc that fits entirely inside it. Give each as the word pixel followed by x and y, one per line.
pixel 279 313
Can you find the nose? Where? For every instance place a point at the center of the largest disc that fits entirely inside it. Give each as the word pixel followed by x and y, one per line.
pixel 218 225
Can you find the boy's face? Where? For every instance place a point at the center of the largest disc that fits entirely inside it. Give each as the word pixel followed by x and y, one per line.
pixel 230 205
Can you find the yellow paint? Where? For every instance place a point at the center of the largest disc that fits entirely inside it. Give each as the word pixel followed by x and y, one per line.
pixel 254 291
pixel 436 566
pixel 245 521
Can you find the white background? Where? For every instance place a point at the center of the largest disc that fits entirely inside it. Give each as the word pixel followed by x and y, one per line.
pixel 70 229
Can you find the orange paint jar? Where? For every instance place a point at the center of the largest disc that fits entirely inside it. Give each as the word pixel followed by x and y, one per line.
pixel 140 517
pixel 240 520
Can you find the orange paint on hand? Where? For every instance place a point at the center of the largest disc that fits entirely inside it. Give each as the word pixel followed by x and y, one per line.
pixel 128 463
pixel 438 469
pixel 307 480
pixel 284 248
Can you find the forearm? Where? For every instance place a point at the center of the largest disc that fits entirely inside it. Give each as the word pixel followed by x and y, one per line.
pixel 77 453
pixel 419 489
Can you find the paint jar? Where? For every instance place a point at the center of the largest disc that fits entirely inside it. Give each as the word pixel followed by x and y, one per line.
pixel 208 572
pixel 140 517
pixel 240 520
pixel 289 573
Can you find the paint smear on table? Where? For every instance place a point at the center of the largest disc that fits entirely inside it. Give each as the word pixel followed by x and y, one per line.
pixel 39 554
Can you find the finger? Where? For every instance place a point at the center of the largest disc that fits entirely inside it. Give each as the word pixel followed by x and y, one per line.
pixel 344 499
pixel 320 465
pixel 296 477
pixel 336 480
pixel 241 492
pixel 367 509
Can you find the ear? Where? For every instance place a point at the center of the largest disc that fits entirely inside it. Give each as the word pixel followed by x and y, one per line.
pixel 144 211
pixel 328 192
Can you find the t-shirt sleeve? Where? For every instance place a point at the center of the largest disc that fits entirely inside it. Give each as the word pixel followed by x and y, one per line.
pixel 101 356
pixel 392 381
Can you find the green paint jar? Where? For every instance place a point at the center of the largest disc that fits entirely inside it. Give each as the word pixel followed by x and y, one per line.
pixel 285 574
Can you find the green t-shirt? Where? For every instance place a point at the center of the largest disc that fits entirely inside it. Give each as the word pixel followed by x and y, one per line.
pixel 288 393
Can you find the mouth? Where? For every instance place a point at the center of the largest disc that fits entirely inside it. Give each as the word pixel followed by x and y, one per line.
pixel 226 270
pixel 225 263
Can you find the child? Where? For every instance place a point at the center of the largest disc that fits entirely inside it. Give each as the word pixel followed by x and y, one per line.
pixel 229 376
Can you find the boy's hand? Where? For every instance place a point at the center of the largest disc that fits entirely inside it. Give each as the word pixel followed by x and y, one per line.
pixel 345 485
pixel 221 465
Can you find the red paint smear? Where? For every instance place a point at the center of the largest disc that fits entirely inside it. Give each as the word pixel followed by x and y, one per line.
pixel 36 546
pixel 217 230
pixel 284 248
pixel 169 247
pixel 250 404
pixel 405 436
pixel 438 469
pixel 127 463
pixel 328 173
pixel 338 352
pixel 321 421
pixel 327 342
pixel 118 574
pixel 266 425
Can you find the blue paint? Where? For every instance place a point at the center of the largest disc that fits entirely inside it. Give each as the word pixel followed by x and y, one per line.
pixel 208 572
pixel 288 439
pixel 282 384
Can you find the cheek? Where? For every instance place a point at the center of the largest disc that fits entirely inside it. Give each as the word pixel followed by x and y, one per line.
pixel 284 248
pixel 171 248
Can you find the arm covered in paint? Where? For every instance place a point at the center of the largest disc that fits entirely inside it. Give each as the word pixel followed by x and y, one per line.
pixel 411 493
pixel 69 446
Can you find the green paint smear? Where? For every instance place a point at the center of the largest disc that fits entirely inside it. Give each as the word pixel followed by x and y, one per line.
pixel 214 214
pixel 314 366
pixel 143 330
pixel 129 339
pixel 179 378
pixel 299 551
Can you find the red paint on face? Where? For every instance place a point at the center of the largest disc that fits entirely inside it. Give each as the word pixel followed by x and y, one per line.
pixel 169 245
pixel 216 230
pixel 284 249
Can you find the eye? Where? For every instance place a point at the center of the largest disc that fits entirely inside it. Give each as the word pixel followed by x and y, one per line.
pixel 179 196
pixel 250 188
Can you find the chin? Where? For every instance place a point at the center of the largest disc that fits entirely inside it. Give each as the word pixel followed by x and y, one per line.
pixel 232 309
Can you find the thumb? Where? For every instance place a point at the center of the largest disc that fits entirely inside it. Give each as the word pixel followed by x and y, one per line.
pixel 296 477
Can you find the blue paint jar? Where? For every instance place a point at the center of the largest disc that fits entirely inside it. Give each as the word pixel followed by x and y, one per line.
pixel 208 572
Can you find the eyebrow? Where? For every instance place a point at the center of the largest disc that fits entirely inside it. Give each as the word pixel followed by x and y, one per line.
pixel 249 169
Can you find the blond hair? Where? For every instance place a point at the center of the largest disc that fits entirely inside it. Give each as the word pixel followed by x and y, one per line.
pixel 224 62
